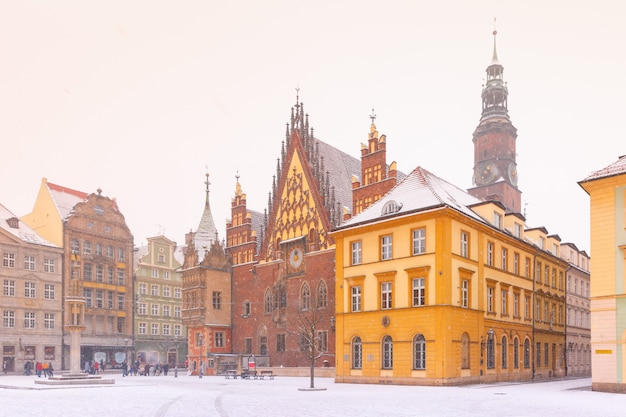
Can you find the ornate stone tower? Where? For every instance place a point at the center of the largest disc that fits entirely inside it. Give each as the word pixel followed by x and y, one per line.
pixel 495 169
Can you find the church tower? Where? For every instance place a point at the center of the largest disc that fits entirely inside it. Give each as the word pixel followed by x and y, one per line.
pixel 495 168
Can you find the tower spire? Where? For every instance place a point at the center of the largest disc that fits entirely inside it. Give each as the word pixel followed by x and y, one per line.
pixel 206 234
pixel 494 59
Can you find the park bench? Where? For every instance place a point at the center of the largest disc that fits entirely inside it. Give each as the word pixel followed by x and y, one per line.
pixel 268 374
pixel 231 373
pixel 248 374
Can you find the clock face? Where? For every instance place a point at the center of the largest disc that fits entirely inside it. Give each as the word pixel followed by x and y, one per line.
pixel 512 174
pixel 485 173
pixel 295 257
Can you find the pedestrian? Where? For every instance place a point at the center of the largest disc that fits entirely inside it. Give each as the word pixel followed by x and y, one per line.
pixel 201 369
pixel 96 368
pixel 44 368
pixel 50 369
pixel 38 369
pixel 5 367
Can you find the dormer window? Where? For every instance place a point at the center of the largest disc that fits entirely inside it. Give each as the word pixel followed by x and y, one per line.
pixel 390 207
pixel 13 222
pixel 497 220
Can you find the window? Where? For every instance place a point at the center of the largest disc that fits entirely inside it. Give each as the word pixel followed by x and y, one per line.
pixel 99 273
pixel 546 276
pixel 419 291
pixel 177 330
pixel 490 253
pixel 87 247
pixel 48 265
pixel 99 298
pixel 154 290
pixel 8 288
pixel 356 298
pixel 121 276
pixel 177 311
pixel 538 310
pixel 419 352
pixel 110 274
pixel 246 309
pixel 166 274
pixel 9 260
pixel 154 329
pixel 29 320
pixel 48 291
pixel 515 353
pixel 177 293
pixel 545 354
pixel 219 339
pixel 87 272
pixel 527 268
pixel 155 273
pixel 490 299
pixel 167 292
pixel 465 293
pixel 503 353
pixel 517 230
pixel 516 263
pixel 161 259
pixel 527 307
pixel 143 288
pixel 387 352
pixel 29 289
pixel 419 241
pixel 99 249
pixel 505 311
pixel 268 302
pixel 465 244
pixel 121 254
pixel 142 328
pixel 110 252
pixel 29 262
pixel 48 320
pixel 166 310
pixel 166 329
pixel 538 353
pixel 491 353
pixel 322 341
pixel 280 342
pixel 386 245
pixel 217 300
pixel 8 319
pixel 357 353
pixel 526 354
pixel 87 294
pixel 110 296
pixel 504 264
pixel 305 297
pixel 322 295
pixel 356 253
pixel 75 245
pixel 385 295
pixel 120 301
pixel 154 309
pixel 515 304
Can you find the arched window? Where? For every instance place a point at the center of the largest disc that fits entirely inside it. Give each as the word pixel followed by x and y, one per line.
pixel 322 295
pixel 387 352
pixel 504 353
pixel 357 353
pixel 515 353
pixel 419 352
pixel 305 297
pixel 465 351
pixel 268 301
pixel 283 298
pixel 491 353
pixel 526 354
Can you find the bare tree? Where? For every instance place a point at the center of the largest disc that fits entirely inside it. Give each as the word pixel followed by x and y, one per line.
pixel 309 330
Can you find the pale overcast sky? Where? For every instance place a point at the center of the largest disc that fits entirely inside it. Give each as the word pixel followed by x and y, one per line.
pixel 138 97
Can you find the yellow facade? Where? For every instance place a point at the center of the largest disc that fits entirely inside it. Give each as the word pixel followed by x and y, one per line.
pixel 607 192
pixel 477 318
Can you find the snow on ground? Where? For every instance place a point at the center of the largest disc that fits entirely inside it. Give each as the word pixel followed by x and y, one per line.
pixel 215 396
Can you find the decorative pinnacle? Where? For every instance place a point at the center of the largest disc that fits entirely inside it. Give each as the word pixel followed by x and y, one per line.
pixel 237 176
pixel 373 116
pixel 494 59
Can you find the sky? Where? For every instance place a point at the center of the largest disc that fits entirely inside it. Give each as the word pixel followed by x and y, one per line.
pixel 142 98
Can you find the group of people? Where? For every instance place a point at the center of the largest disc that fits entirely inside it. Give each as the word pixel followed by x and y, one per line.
pixel 93 367
pixel 41 368
pixel 137 368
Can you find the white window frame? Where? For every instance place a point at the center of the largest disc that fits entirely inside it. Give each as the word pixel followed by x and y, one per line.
pixel 419 241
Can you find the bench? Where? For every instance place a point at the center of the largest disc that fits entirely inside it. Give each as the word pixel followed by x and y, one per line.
pixel 248 374
pixel 231 373
pixel 268 374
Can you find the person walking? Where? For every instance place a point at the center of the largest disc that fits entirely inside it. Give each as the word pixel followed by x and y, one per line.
pixel 5 367
pixel 201 370
pixel 38 369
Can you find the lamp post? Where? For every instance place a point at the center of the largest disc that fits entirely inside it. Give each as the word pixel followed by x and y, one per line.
pixel 201 344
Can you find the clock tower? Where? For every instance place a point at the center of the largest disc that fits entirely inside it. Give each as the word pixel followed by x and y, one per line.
pixel 495 169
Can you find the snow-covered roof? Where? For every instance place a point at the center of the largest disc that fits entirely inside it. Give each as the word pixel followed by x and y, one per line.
pixel 65 198
pixel 419 191
pixel 616 168
pixel 14 226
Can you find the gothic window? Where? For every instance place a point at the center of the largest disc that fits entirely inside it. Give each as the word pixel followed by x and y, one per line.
pixel 357 353
pixel 322 295
pixel 305 297
pixel 268 301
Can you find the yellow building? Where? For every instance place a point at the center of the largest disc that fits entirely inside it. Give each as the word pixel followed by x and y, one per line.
pixel 607 192
pixel 437 287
